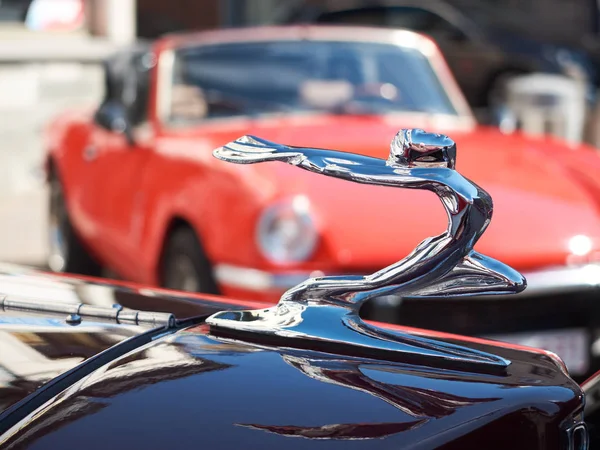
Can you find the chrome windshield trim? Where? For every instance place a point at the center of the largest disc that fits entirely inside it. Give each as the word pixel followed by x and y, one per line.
pixel 551 280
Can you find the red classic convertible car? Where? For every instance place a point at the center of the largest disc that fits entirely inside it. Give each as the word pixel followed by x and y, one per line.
pixel 135 189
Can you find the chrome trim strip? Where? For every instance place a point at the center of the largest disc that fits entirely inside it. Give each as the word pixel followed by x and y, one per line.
pixel 116 312
pixel 258 280
pixel 552 280
pixel 580 429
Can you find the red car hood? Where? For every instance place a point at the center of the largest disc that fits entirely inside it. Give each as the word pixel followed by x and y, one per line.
pixel 538 205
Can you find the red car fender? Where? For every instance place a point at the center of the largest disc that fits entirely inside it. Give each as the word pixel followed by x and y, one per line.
pixel 170 203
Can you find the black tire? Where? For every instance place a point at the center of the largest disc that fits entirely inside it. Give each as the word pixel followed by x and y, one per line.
pixel 67 253
pixel 184 265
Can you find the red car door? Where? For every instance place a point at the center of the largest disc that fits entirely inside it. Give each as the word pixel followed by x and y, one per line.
pixel 119 149
pixel 119 170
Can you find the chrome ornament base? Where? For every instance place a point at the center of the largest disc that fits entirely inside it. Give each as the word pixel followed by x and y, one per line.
pixel 326 309
pixel 328 324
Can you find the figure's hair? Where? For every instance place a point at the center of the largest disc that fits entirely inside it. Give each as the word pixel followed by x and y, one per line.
pixel 413 148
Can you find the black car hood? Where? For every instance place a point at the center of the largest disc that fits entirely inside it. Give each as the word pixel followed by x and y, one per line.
pixel 184 387
pixel 190 389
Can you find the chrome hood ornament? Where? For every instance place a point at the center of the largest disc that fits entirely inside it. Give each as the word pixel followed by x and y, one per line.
pixel 325 309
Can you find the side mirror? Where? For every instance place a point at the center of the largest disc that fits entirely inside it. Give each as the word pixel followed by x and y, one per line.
pixel 113 117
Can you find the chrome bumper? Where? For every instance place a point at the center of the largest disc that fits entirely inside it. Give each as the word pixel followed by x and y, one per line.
pixel 257 280
pixel 562 279
pixel 551 280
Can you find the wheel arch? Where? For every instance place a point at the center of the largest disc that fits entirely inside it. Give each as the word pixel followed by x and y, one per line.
pixel 174 223
pixel 220 206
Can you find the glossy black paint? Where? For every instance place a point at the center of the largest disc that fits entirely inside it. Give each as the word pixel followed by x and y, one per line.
pixel 191 388
pixel 188 388
pixel 35 348
pixel 488 316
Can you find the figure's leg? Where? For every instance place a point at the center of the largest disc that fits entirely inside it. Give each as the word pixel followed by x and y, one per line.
pixel 476 274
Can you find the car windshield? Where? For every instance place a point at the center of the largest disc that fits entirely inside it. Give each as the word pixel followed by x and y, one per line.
pixel 302 76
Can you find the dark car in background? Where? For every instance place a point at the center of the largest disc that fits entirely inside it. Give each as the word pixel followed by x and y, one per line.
pixel 481 50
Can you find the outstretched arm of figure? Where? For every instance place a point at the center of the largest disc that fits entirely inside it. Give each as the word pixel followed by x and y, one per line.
pixel 349 166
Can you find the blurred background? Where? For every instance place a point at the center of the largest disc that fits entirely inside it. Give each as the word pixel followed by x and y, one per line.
pixel 51 53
